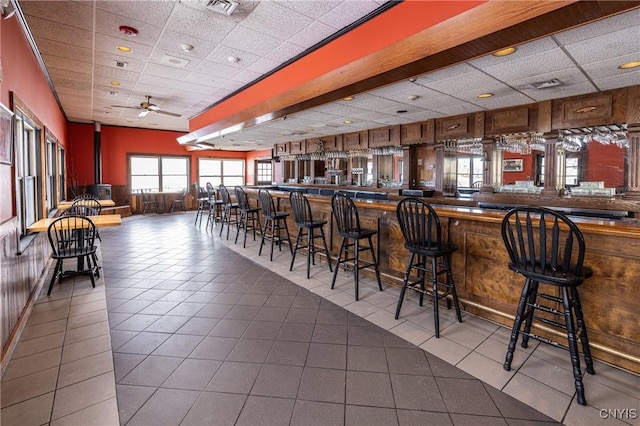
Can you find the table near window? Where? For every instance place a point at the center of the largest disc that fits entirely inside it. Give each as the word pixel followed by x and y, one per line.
pixel 63 205
pixel 100 221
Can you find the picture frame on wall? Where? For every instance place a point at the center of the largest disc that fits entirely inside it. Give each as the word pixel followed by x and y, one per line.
pixel 6 135
pixel 512 165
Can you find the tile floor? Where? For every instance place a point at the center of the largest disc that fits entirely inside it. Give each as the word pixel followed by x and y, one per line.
pixel 188 328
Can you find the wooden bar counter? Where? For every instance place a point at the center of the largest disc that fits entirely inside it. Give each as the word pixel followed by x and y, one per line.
pixel 489 289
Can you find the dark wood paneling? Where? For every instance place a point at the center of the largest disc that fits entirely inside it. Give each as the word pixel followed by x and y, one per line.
pixel 418 133
pixel 511 120
pixel 590 110
pixel 356 140
pixel 460 126
pixel 282 149
pixel 298 147
pixel 384 136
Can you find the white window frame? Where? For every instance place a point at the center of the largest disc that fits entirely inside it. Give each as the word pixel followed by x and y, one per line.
pixel 27 172
pixel 262 176
pixel 161 186
pixel 224 178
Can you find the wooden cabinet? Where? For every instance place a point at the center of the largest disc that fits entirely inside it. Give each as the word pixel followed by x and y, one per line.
pixel 511 120
pixel 298 147
pixel 384 136
pixel 281 149
pixel 595 109
pixel 329 143
pixel 418 133
pixel 461 126
pixel 356 140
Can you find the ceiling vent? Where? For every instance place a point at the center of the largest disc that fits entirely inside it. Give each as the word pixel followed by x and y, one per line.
pixel 554 82
pixel 121 64
pixel 174 61
pixel 225 7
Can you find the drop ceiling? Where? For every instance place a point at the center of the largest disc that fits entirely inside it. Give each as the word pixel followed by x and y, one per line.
pixel 77 42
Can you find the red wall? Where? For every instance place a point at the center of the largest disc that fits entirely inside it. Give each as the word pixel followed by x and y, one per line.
pixel 527 172
pixel 21 74
pixel 606 163
pixel 118 142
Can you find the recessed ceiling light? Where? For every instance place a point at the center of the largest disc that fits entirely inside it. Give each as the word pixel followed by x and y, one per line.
pixel 115 83
pixel 186 47
pixel 107 107
pixel 505 52
pixel 348 98
pixel 347 121
pixel 124 49
pixel 485 95
pixel 629 65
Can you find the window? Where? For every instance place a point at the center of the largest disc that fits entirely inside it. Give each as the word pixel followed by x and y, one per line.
pixel 61 174
pixel 218 171
pixel 159 174
pixel 28 173
pixel 263 172
pixel 572 171
pixel 51 165
pixel 469 170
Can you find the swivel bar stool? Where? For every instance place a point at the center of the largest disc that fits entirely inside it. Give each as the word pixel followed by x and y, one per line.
pixel 307 224
pixel 420 226
pixel 229 210
pixel 548 249
pixel 348 223
pixel 273 223
pixel 249 216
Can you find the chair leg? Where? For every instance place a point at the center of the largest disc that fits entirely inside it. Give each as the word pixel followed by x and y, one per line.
pixel 56 271
pixel 310 251
pixel 404 284
pixel 286 229
pixel 273 228
pixel 436 307
pixel 375 264
pixel 422 275
pixel 93 280
pixel 454 294
pixel 533 294
pixel 326 250
pixel 356 268
pixel 517 323
pixel 584 338
pixel 295 249
pixel 573 346
pixel 243 216
pixel 264 234
pixel 338 261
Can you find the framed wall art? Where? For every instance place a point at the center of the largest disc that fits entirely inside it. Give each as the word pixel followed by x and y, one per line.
pixel 6 135
pixel 513 165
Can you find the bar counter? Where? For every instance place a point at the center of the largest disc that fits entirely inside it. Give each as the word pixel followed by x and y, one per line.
pixel 488 288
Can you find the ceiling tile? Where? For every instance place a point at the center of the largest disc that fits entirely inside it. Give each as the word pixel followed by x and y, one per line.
pixel 270 17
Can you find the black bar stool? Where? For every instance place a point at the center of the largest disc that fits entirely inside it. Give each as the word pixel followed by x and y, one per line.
pixel 272 222
pixel 348 223
pixel 215 206
pixel 203 202
pixel 249 216
pixel 547 248
pixel 180 201
pixel 229 210
pixel 307 224
pixel 148 202
pixel 420 226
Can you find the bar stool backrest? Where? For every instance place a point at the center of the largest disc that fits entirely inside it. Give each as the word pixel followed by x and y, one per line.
pixel 88 200
pixel 544 245
pixel 211 192
pixel 345 213
pixel 65 239
pixel 301 208
pixel 242 198
pixel 224 193
pixel 420 225
pixel 266 203
pixel 80 210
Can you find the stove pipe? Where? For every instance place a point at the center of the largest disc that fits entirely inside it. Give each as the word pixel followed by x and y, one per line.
pixel 97 153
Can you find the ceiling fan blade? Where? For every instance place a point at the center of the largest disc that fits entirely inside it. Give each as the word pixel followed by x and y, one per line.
pixel 153 107
pixel 143 113
pixel 124 106
pixel 173 114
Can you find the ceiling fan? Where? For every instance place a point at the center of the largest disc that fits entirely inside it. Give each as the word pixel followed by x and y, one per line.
pixel 148 107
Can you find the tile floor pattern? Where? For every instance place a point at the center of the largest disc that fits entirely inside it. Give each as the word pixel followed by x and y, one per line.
pixel 201 332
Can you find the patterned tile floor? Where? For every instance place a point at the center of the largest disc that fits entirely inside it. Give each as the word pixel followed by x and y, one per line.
pixel 184 327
